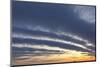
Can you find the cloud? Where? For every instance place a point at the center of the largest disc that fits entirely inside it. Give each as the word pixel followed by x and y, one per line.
pixel 86 13
pixel 76 37
pixel 55 49
pixel 59 33
pixel 38 47
pixel 50 39
pixel 61 50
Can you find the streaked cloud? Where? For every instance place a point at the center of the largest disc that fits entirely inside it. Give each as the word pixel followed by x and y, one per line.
pixel 60 33
pixel 70 53
pixel 38 47
pixel 50 39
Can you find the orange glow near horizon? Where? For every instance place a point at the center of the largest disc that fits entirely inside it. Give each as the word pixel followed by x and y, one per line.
pixel 72 56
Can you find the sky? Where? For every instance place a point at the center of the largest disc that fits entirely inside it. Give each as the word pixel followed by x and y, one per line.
pixel 52 33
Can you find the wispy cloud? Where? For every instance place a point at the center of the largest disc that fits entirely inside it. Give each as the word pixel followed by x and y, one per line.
pixel 50 39
pixel 60 33
pixel 39 47
pixel 86 13
pixel 70 52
